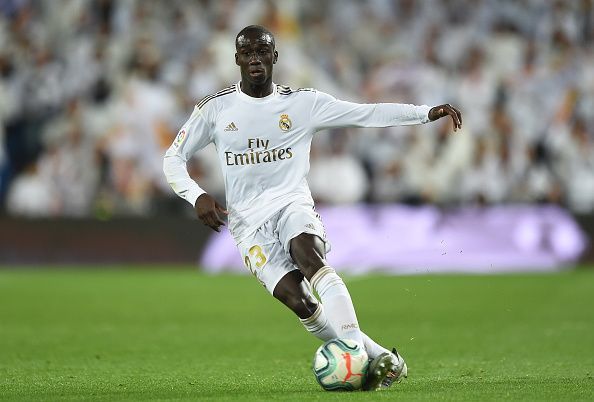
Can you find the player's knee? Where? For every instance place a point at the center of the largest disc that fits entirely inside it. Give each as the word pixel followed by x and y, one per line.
pixel 308 253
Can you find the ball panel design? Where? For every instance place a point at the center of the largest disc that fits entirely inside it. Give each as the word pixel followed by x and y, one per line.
pixel 340 364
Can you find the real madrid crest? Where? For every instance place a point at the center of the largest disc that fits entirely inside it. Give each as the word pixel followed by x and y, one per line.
pixel 285 123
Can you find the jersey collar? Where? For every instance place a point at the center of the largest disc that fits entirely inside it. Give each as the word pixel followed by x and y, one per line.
pixel 248 98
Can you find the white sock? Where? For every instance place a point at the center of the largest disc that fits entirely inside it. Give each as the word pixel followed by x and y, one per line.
pixel 373 349
pixel 319 325
pixel 338 304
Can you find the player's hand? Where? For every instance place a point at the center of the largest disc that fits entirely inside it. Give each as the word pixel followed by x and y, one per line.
pixel 440 111
pixel 210 212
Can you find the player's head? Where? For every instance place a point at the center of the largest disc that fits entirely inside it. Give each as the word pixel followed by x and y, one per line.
pixel 255 54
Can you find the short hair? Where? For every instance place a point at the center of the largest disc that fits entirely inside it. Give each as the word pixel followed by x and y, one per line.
pixel 258 28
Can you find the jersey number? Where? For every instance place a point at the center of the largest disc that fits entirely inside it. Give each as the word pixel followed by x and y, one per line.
pixel 259 258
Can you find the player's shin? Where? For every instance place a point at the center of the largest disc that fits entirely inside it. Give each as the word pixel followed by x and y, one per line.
pixel 337 303
pixel 318 325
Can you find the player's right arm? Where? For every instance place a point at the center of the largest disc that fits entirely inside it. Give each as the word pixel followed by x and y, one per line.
pixel 194 135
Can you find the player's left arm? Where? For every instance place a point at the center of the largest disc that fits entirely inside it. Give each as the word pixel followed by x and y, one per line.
pixel 440 111
pixel 329 112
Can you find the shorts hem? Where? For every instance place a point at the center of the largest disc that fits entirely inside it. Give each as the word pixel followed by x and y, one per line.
pixel 271 291
pixel 287 243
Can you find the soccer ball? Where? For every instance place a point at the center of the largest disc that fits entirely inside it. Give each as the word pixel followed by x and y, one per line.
pixel 340 365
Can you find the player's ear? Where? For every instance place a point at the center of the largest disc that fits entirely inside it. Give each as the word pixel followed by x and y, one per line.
pixel 275 57
pixel 236 59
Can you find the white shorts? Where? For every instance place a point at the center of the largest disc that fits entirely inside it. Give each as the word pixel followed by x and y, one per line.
pixel 266 252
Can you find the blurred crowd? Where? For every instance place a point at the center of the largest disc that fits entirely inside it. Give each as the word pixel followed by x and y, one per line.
pixel 93 92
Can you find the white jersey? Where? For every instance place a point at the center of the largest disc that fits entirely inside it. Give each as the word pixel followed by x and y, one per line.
pixel 263 145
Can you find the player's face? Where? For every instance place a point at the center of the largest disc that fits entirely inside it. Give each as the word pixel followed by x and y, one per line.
pixel 255 56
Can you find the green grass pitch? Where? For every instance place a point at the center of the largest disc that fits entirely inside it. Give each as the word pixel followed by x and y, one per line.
pixel 175 334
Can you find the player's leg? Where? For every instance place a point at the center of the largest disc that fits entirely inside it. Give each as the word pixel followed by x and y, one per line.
pixel 308 251
pixel 268 261
pixel 301 232
pixel 293 292
pixel 303 236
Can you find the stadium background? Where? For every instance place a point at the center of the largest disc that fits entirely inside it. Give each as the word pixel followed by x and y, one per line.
pixel 103 289
pixel 92 93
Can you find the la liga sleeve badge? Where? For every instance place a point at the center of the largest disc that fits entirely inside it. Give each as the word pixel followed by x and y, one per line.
pixel 181 136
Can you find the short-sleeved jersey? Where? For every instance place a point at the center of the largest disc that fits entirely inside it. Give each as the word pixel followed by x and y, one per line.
pixel 263 145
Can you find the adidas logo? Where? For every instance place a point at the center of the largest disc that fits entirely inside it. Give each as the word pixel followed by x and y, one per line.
pixel 310 226
pixel 231 127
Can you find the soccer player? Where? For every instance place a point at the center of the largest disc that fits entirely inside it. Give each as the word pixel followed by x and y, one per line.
pixel 262 132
